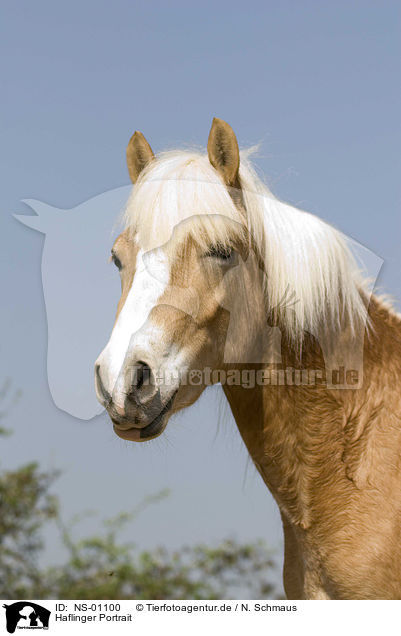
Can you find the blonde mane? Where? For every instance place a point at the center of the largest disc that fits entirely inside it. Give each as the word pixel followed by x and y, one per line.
pixel 305 258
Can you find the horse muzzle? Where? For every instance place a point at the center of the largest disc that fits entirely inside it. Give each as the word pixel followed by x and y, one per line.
pixel 136 405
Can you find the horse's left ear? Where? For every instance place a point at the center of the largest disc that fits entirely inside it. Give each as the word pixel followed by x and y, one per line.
pixel 223 151
pixel 139 153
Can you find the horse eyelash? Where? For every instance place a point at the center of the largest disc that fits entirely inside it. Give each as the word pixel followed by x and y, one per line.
pixel 220 251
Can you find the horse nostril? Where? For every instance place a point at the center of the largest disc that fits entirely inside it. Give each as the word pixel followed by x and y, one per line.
pixel 140 386
pixel 142 374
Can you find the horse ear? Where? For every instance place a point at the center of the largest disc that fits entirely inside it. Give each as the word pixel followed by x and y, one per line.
pixel 139 153
pixel 223 151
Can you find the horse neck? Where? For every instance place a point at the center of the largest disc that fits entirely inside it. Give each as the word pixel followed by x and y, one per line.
pixel 311 440
pixel 293 433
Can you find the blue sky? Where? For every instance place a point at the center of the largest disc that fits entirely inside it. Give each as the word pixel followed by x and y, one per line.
pixel 315 83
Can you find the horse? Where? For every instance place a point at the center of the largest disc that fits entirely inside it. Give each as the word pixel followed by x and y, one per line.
pixel 221 281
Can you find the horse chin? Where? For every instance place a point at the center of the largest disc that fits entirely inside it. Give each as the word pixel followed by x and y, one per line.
pixel 141 434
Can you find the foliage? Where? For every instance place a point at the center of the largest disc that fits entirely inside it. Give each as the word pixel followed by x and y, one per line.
pixel 101 567
pixel 25 505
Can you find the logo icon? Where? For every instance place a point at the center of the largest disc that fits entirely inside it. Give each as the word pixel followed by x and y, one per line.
pixel 26 615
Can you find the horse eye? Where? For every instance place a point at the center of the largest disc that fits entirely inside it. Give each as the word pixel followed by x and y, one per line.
pixel 222 252
pixel 116 261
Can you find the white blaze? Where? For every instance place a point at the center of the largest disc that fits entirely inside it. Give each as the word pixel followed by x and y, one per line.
pixel 149 283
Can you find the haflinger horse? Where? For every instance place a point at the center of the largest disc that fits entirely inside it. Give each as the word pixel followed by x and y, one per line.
pixel 212 265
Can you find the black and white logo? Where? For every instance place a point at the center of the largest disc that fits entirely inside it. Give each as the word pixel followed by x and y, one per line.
pixel 26 615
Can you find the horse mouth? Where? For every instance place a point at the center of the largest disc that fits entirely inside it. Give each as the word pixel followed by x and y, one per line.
pixel 150 431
